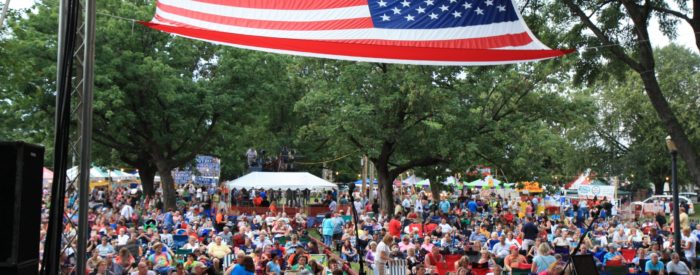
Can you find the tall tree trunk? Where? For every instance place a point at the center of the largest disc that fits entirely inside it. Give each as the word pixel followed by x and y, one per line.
pixel 147 174
pixel 673 127
pixel 386 191
pixel 658 188
pixel 435 190
pixel 167 183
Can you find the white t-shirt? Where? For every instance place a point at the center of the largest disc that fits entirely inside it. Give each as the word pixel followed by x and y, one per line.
pixel 689 253
pixel 679 268
pixel 127 211
pixel 446 228
pixel 150 272
pixel 381 247
pixel 122 239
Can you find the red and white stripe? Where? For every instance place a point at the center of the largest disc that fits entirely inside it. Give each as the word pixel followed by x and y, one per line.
pixel 343 29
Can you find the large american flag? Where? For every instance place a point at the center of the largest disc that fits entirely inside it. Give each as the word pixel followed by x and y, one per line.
pixel 436 32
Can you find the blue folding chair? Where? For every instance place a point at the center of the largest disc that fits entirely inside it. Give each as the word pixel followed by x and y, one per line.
pixel 179 241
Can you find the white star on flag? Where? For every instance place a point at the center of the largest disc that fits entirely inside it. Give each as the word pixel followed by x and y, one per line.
pixel 381 3
pixel 385 17
pixel 453 1
pixel 444 8
pixel 433 16
pixel 429 2
pixel 501 8
pixel 396 10
pixel 405 3
pixel 467 6
pixel 409 18
pixel 479 11
pixel 457 14
pixel 420 10
pixel 489 2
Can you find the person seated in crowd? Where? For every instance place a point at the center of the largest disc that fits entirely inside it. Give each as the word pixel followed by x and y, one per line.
pixel 676 266
pixel 494 240
pixel 478 235
pixel 262 241
pixel 544 260
pixel 192 244
pixel 248 247
pixel 105 248
pixel 348 252
pixel 434 259
pixel 292 244
pixel 501 249
pixel 613 255
pixel 143 269
pixel 161 260
pixel 273 266
pixel 405 244
pixel 302 264
pixel 427 246
pixel 654 266
pixel 514 259
pixel 244 266
pixel 218 250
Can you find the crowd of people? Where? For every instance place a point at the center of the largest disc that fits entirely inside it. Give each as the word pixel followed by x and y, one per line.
pixel 460 233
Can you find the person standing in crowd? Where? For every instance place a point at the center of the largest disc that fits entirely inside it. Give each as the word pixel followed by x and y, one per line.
pixel 381 255
pixel 327 228
pixel 530 232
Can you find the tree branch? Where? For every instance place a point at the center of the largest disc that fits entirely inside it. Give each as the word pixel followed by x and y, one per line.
pixel 426 161
pixel 672 12
pixel 613 47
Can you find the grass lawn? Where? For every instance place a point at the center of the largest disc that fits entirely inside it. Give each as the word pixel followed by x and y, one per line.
pixel 696 216
pixel 355 266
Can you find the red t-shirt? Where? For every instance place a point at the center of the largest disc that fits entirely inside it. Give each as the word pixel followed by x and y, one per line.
pixel 428 228
pixel 395 228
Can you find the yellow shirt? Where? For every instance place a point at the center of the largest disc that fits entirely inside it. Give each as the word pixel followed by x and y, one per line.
pixel 219 251
pixel 684 220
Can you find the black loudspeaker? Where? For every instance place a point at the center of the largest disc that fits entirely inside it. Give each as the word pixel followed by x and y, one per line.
pixel 21 174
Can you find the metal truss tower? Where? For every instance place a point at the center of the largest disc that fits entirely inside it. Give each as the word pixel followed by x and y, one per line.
pixel 74 94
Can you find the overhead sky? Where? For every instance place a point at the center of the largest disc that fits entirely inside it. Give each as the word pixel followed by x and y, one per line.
pixel 685 33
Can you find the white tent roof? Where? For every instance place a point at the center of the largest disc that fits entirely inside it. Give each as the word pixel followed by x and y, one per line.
pixel 280 180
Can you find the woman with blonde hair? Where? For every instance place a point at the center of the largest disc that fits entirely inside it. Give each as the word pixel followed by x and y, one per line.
pixel 544 260
pixel 381 254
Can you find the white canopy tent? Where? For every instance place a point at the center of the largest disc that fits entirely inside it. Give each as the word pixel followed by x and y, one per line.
pixel 280 180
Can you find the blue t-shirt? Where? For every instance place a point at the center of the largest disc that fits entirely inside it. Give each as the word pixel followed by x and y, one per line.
pixel 328 226
pixel 445 206
pixel 472 206
pixel 659 266
pixel 240 270
pixel 274 267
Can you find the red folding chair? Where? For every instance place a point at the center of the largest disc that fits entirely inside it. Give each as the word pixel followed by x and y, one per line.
pixel 628 254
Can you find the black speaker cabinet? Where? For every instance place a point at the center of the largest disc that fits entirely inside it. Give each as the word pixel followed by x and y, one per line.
pixel 21 170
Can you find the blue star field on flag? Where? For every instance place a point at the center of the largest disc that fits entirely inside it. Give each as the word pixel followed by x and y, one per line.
pixel 438 14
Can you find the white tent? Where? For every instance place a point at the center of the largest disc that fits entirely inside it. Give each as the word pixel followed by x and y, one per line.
pixel 412 180
pixel 280 180
pixel 118 175
pixel 96 173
